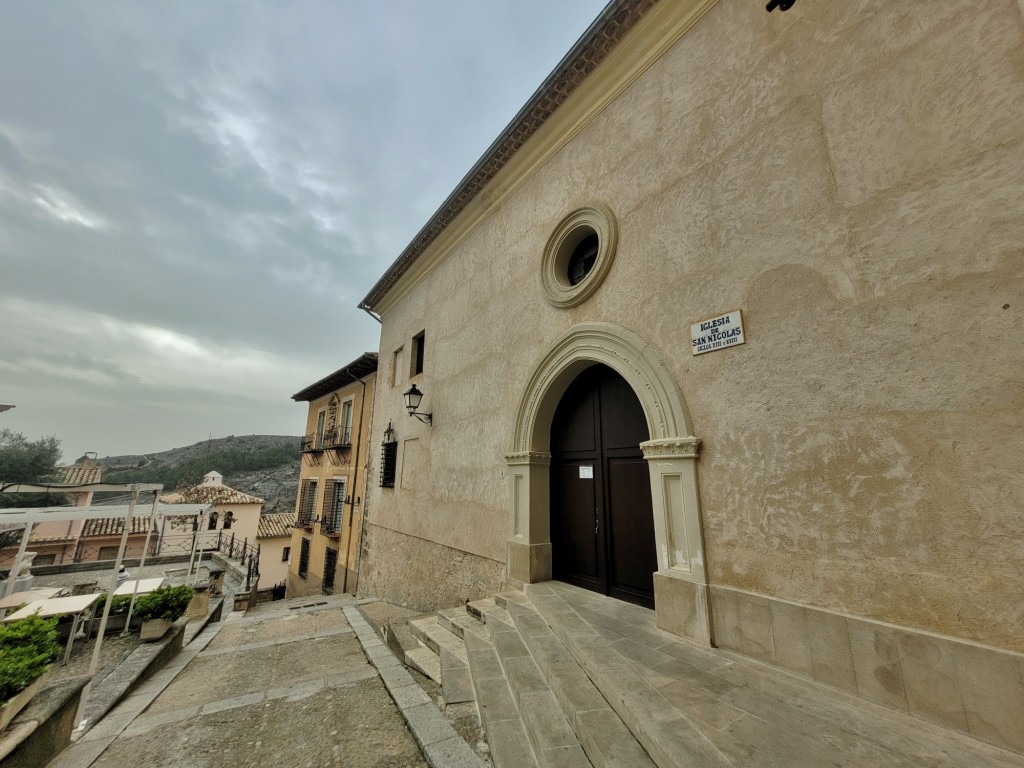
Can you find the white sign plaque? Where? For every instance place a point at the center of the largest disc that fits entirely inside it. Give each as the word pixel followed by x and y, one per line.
pixel 586 472
pixel 717 332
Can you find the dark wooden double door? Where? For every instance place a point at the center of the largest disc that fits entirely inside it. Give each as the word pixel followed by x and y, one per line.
pixel 602 524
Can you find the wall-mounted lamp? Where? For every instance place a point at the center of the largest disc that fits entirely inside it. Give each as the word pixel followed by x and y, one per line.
pixel 412 402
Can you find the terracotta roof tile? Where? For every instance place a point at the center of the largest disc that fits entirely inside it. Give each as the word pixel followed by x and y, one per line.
pixel 276 525
pixel 79 475
pixel 113 526
pixel 210 494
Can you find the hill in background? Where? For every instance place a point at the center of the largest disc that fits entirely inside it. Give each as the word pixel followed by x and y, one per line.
pixel 262 465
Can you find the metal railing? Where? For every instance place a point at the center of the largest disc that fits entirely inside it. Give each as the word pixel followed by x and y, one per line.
pixel 330 525
pixel 328 440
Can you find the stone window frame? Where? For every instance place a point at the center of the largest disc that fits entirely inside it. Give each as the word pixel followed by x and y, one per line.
pixel 594 218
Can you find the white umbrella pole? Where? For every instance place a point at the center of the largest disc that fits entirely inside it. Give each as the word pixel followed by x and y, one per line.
pixel 106 606
pixel 142 562
pixel 18 558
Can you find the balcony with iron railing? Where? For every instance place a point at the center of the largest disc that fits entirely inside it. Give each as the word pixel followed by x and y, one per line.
pixel 330 524
pixel 329 440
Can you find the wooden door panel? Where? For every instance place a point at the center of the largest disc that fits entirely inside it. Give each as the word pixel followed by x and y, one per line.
pixel 572 533
pixel 633 559
pixel 622 421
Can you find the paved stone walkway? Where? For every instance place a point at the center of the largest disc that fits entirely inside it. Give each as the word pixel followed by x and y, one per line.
pixel 301 682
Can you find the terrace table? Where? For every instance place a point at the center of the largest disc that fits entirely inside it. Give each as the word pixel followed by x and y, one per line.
pixel 75 606
pixel 145 586
pixel 31 596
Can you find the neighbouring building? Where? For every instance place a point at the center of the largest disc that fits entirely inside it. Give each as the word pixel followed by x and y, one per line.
pixel 729 321
pixel 274 538
pixel 325 541
pixel 233 523
pixel 57 543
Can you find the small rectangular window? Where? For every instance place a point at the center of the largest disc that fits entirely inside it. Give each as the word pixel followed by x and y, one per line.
pixel 44 559
pixel 286 553
pixel 330 566
pixel 307 503
pixel 346 423
pixel 388 464
pixel 321 419
pixel 334 507
pixel 418 352
pixel 304 559
pixel 108 553
pixel 396 367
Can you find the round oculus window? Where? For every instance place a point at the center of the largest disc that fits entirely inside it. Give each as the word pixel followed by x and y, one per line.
pixel 578 255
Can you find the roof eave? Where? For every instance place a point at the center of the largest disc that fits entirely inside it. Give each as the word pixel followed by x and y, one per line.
pixel 611 25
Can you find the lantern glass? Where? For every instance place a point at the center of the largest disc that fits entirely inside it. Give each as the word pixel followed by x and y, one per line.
pixel 412 399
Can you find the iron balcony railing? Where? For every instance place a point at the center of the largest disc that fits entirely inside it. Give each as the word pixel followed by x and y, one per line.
pixel 329 440
pixel 330 525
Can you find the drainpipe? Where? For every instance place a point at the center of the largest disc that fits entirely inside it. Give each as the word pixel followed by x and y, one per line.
pixel 352 503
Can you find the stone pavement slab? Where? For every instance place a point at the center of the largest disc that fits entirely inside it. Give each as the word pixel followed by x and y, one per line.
pixel 299 693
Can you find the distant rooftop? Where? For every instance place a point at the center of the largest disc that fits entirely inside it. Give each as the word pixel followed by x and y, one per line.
pixel 79 475
pixel 113 526
pixel 276 526
pixel 211 491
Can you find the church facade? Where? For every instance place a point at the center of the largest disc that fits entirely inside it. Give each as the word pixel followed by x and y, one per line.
pixel 728 322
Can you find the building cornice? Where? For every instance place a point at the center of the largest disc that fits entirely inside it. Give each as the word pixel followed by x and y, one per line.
pixel 618 47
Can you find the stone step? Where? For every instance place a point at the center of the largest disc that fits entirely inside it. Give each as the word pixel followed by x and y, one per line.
pixel 499 714
pixel 476 608
pixel 553 741
pixel 459 622
pixel 605 739
pixel 424 661
pixel 452 661
pixel 667 735
pixel 432 634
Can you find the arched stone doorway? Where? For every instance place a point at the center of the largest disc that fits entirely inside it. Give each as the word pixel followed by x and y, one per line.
pixel 680 583
pixel 602 519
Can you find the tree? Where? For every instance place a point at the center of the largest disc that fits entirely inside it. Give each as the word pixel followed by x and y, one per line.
pixel 27 461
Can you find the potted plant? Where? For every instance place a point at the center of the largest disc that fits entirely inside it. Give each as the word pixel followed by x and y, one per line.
pixel 118 614
pixel 160 608
pixel 27 647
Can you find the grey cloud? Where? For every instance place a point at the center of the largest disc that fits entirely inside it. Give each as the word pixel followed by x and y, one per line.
pixel 255 166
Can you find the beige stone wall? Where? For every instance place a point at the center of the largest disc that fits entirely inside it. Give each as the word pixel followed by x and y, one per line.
pixel 273 567
pixel 849 175
pixel 432 575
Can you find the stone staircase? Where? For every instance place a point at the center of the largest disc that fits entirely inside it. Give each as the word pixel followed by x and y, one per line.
pixel 564 677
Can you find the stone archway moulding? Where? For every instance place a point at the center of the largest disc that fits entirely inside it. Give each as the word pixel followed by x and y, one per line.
pixel 671 453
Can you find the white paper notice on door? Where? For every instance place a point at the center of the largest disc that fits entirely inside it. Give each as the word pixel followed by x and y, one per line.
pixel 586 472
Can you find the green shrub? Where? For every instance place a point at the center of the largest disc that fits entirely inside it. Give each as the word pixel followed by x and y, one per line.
pixel 27 647
pixel 164 603
pixel 119 605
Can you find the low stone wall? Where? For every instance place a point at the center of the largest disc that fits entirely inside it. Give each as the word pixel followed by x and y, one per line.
pixel 43 728
pixel 955 683
pixel 104 565
pixel 423 575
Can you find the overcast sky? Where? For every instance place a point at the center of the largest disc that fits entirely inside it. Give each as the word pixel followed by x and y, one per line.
pixel 194 196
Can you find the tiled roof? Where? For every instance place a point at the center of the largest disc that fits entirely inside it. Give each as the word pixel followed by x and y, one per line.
pixel 50 540
pixel 210 494
pixel 358 369
pixel 275 526
pixel 113 526
pixel 79 475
